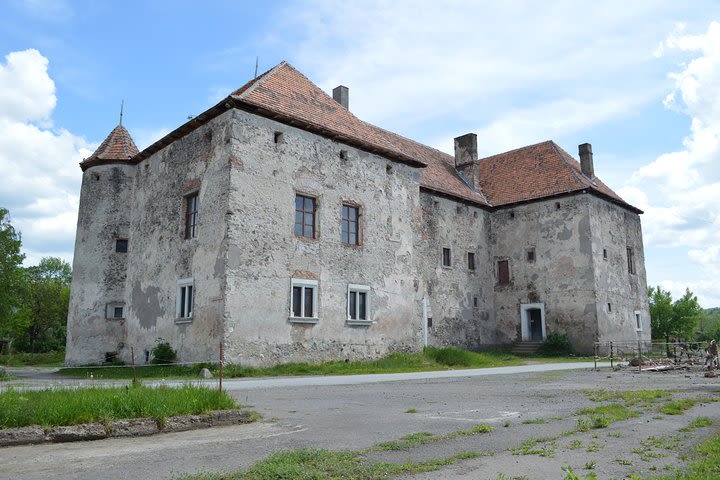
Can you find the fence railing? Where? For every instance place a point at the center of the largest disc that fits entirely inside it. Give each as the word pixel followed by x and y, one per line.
pixel 642 353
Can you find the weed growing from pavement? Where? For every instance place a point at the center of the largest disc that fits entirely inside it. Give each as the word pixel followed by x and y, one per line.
pixel 697 423
pixel 570 475
pixel 575 444
pixel 535 421
pixel 411 410
pixel 677 407
pixel 85 405
pixel 543 446
pixel 590 465
pixel 421 438
pixel 603 415
pixel 593 447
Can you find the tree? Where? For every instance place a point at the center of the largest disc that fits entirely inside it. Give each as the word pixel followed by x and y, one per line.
pixel 661 313
pixel 686 312
pixel 11 274
pixel 44 312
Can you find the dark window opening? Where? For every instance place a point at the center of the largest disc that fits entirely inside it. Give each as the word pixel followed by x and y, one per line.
pixel 604 254
pixel 630 260
pixel 350 224
pixel 191 215
pixel 557 205
pixel 185 304
pixel 512 214
pixel 638 323
pixel 121 245
pixel 303 301
pixel 446 257
pixel 304 216
pixel 609 307
pixel 503 272
pixel 388 169
pixel 343 155
pixel 118 312
pixel 357 305
pixel 531 255
pixel 475 302
pixel 429 322
pixel 278 137
pixel 471 261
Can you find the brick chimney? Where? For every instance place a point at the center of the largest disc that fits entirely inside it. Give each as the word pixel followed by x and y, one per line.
pixel 341 94
pixel 586 160
pixel 466 158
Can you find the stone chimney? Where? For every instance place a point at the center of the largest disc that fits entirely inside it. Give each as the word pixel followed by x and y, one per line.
pixel 341 94
pixel 466 158
pixel 586 160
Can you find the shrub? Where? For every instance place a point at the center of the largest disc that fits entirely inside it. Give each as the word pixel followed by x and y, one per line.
pixel 163 353
pixel 450 356
pixel 556 344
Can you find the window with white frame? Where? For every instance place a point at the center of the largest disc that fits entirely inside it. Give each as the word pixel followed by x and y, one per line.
pixel 358 304
pixel 303 299
pixel 638 321
pixel 184 305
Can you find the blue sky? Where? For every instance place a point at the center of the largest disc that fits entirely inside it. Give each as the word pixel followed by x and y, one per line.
pixel 639 80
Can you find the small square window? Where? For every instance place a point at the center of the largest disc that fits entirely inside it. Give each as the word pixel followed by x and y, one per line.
pixel 191 215
pixel 115 311
pixel 118 312
pixel 303 300
pixel 530 255
pixel 121 245
pixel 446 257
pixel 184 304
pixel 503 272
pixel 358 303
pixel 305 216
pixel 471 260
pixel 350 227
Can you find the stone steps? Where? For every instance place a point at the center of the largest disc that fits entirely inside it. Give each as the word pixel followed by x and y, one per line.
pixel 526 348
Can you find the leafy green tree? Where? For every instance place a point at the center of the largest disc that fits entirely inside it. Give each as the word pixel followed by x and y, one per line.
pixel 686 312
pixel 661 313
pixel 11 275
pixel 43 316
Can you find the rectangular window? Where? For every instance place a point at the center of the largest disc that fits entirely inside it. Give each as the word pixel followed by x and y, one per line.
pixel 471 261
pixel 358 310
pixel 638 321
pixel 191 215
pixel 115 311
pixel 350 225
pixel 121 245
pixel 604 253
pixel 503 272
pixel 304 216
pixel 303 299
pixel 531 255
pixel 446 257
pixel 631 260
pixel 184 305
pixel 609 307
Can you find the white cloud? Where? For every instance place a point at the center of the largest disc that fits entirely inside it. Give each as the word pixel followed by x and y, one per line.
pixel 680 190
pixel 41 176
pixel 143 138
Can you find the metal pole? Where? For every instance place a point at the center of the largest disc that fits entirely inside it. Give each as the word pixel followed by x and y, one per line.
pixel 596 350
pixel 639 357
pixel 425 322
pixel 132 363
pixel 611 355
pixel 221 362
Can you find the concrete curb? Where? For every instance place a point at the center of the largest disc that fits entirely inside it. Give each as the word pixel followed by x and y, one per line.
pixel 135 427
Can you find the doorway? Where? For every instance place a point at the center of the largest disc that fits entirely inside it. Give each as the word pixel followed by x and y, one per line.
pixel 532 321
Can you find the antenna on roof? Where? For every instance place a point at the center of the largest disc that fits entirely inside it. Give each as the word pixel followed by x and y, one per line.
pixel 256 65
pixel 122 103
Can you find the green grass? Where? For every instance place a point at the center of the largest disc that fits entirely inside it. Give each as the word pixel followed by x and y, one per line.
pixel 49 359
pixel 431 359
pixel 309 464
pixel 630 398
pixel 534 421
pixel 704 465
pixel 74 406
pixel 422 438
pixel 697 423
pixel 677 407
pixel 603 415
pixel 4 375
pixel 544 447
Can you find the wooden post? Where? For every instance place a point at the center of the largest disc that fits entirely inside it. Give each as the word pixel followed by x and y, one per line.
pixel 595 352
pixel 611 355
pixel 639 357
pixel 132 363
pixel 221 362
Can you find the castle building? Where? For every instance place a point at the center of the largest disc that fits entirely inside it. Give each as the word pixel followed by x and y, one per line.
pixel 283 227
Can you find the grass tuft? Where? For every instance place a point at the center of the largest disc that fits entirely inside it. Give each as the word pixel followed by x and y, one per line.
pixel 697 423
pixel 75 406
pixel 677 407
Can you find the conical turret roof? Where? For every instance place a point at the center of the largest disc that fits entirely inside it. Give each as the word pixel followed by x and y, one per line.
pixel 117 147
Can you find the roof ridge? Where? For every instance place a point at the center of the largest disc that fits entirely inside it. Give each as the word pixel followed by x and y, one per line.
pixel 516 149
pixel 257 81
pixel 557 149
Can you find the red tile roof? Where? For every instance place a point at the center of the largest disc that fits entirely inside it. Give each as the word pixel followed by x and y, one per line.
pixel 529 173
pixel 118 146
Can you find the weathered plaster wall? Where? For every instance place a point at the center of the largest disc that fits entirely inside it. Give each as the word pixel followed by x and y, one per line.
pixel 615 229
pixel 160 255
pixel 264 253
pixel 561 277
pixel 98 271
pixel 460 300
